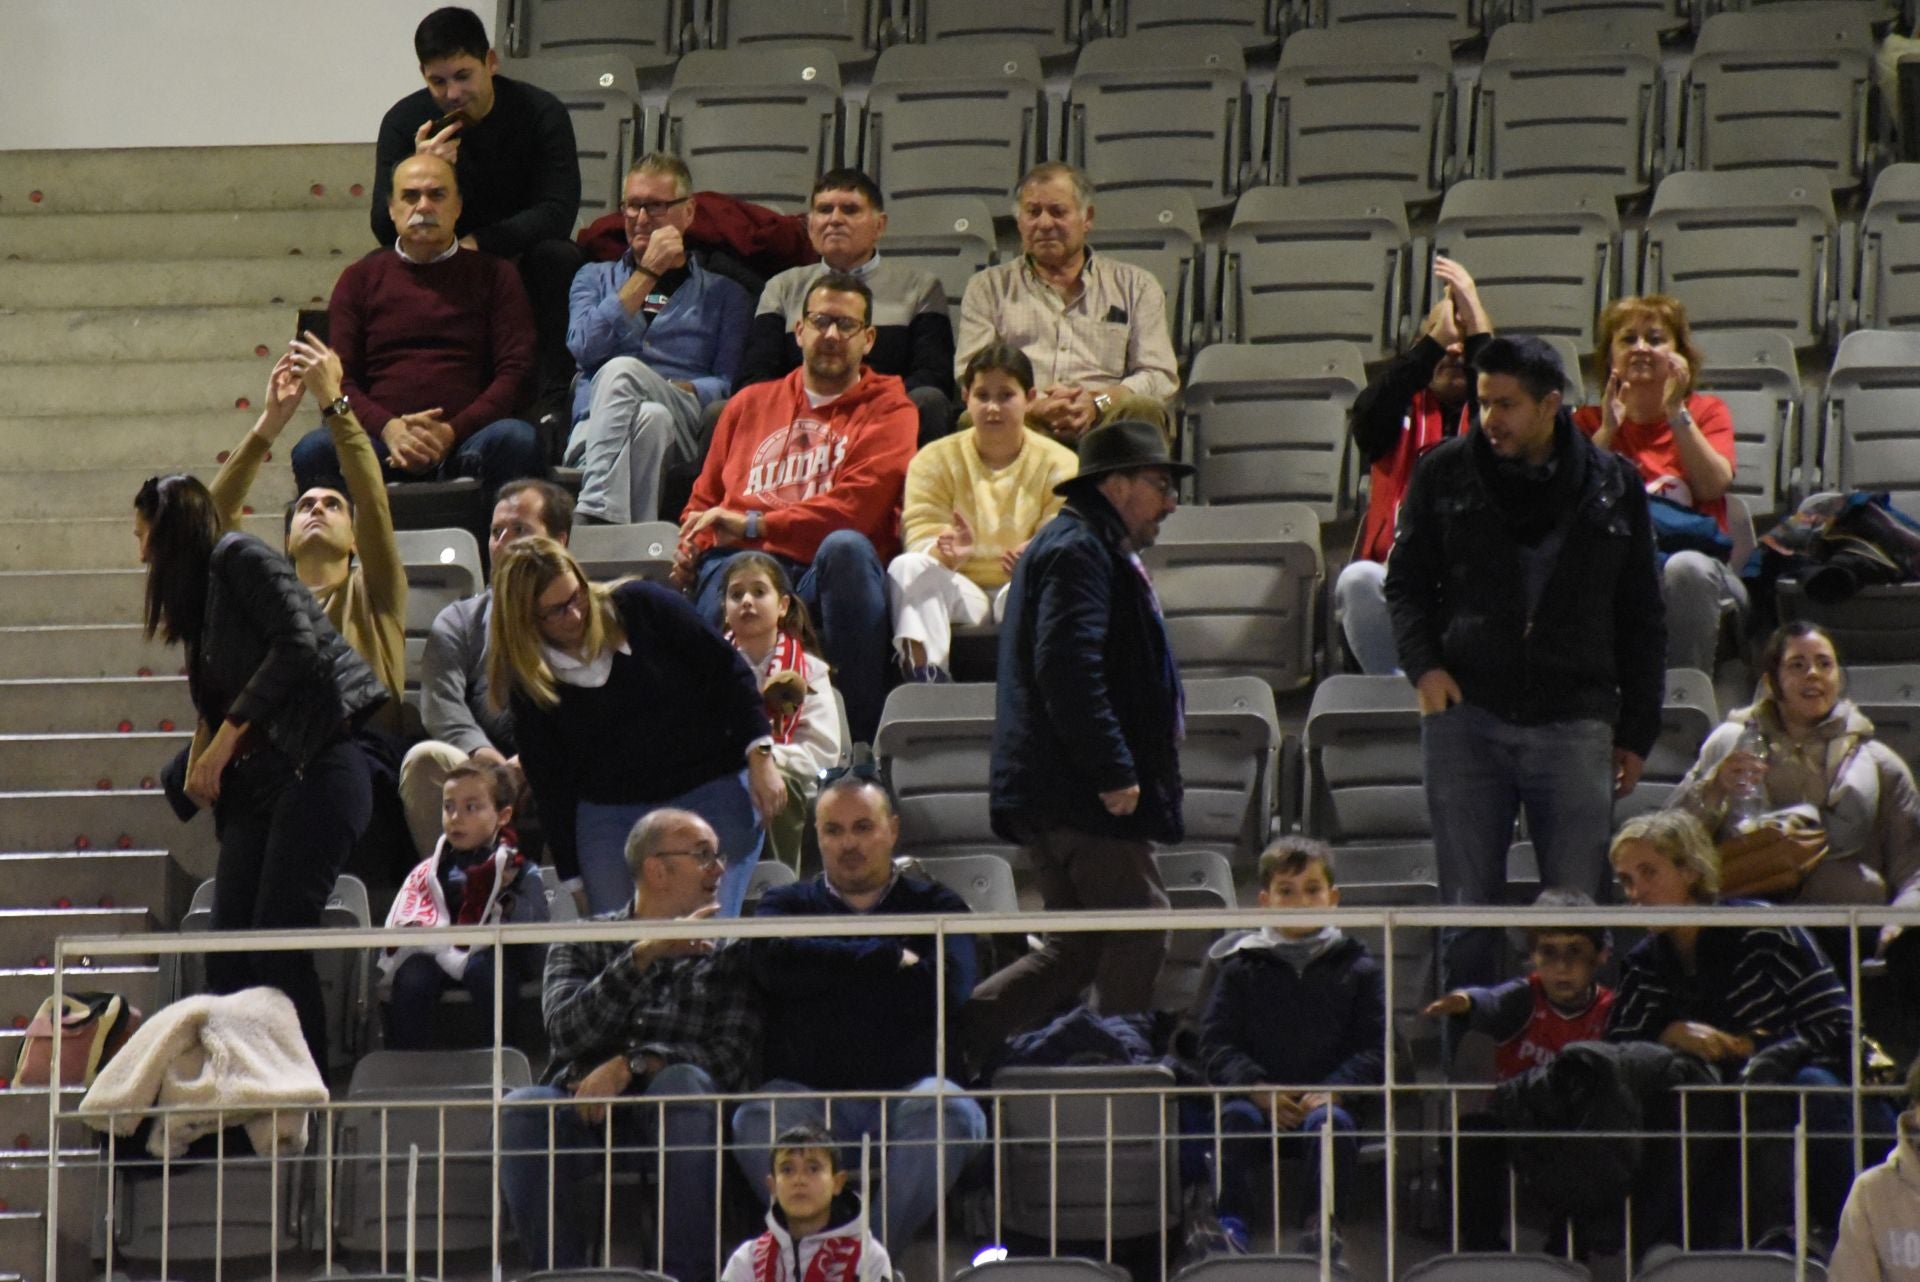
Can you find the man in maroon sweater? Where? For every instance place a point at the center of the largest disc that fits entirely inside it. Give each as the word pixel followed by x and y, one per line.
pixel 437 345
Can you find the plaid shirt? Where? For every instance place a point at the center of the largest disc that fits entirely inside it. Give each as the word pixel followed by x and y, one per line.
pixel 687 1010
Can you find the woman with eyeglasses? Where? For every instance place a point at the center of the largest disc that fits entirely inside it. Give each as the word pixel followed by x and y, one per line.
pixel 625 701
pixel 280 697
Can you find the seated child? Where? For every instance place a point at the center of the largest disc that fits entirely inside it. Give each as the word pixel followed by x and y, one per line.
pixel 974 500
pixel 1880 1225
pixel 475 877
pixel 1301 1008
pixel 769 625
pixel 816 1228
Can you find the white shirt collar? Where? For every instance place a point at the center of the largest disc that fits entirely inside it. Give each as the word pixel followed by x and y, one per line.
pixel 588 674
pixel 451 250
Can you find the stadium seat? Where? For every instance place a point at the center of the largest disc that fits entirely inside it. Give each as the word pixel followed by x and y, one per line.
pixel 1365 778
pixel 1364 102
pixel 934 745
pixel 1889 695
pixel 1087 1166
pixel 243 1207
pixel 1450 19
pixel 1542 251
pixel 596 1275
pixel 1046 1269
pixel 1260 1268
pixel 1255 23
pixel 1733 1266
pixel 757 124
pixel 1227 763
pixel 766 874
pixel 1755 373
pixel 983 879
pixel 1195 879
pixel 850 28
pixel 1688 715
pixel 1237 587
pixel 1890 251
pixel 1872 431
pixel 1753 250
pixel 953 121
pixel 1159 231
pixel 601 93
pixel 646 33
pixel 1317 264
pixel 1572 99
pixel 1167 112
pixel 950 238
pixel 442 566
pixel 644 550
pixel 1270 423
pixel 1054 27
pixel 1672 14
pixel 1387 876
pixel 561 905
pixel 1497 1266
pixel 1781 88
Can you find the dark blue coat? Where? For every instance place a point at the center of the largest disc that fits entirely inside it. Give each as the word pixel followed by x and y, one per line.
pixel 1268 1024
pixel 1088 699
pixel 842 1013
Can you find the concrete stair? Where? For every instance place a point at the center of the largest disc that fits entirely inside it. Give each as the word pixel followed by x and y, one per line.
pixel 30 762
pixel 85 650
pixel 92 878
pixel 176 179
pixel 23 988
pixel 118 820
pixel 290 281
pixel 98 705
pixel 112 334
pixel 137 388
pixel 99 543
pixel 59 441
pixel 28 935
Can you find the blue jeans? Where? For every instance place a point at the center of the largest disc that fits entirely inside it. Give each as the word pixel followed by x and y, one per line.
pixel 846 589
pixel 1246 1160
pixel 913 1183
pixel 600 841
pixel 1481 772
pixel 578 1153
pixel 501 451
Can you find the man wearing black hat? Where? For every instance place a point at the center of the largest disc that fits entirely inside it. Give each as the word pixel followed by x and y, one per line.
pixel 1086 768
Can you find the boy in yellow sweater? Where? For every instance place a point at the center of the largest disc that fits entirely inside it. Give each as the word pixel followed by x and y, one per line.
pixel 974 500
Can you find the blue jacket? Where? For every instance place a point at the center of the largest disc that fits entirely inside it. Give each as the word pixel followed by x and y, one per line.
pixel 1269 1024
pixel 1088 699
pixel 697 337
pixel 842 1013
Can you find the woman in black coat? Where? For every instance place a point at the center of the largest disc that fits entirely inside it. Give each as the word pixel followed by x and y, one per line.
pixel 279 696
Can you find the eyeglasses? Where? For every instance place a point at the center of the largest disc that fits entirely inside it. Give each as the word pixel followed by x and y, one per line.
pixel 706 857
pixel 653 208
pixel 845 326
pixel 548 613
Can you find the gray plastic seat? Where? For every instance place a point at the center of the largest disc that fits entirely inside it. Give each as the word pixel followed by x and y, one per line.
pixel 1237 586
pixel 1159 231
pixel 1270 424
pixel 1671 14
pixel 1091 1165
pixel 1542 251
pixel 1366 782
pixel 1889 695
pixel 1051 1269
pixel 1167 112
pixel 1497 1266
pixel 950 238
pixel 983 879
pixel 953 121
pixel 1451 19
pixel 767 873
pixel 1260 1268
pixel 1778 88
pixel 1872 430
pixel 1572 99
pixel 646 33
pixel 850 28
pixel 1054 27
pixel 601 92
pixel 1755 373
pixel 1254 23
pixel 442 566
pixel 1317 264
pixel 1733 1266
pixel 1754 250
pixel 1195 879
pixel 759 124
pixel 1890 251
pixel 934 744
pixel 1688 714
pixel 1227 763
pixel 643 550
pixel 1365 102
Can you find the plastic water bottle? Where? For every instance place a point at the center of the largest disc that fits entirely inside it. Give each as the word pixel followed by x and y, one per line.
pixel 1748 800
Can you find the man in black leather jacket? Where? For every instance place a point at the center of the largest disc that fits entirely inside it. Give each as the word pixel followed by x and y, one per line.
pixel 1527 614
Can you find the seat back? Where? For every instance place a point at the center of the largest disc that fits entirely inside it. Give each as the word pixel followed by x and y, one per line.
pixel 1270 423
pixel 1734 1266
pixel 1159 232
pixel 766 874
pixel 1260 1268
pixel 1167 112
pixel 601 92
pixel 759 123
pixel 957 120
pixel 1050 1269
pixel 935 746
pixel 850 28
pixel 1889 695
pixel 1890 251
pixel 643 550
pixel 442 566
pixel 1088 1167
pixel 1364 102
pixel 1195 879
pixel 1688 715
pixel 1451 20
pixel 1541 251
pixel 645 33
pixel 1366 782
pixel 1872 431
pixel 1755 373
pixel 1255 24
pixel 1317 264
pixel 983 879
pixel 1781 88
pixel 1670 14
pixel 1227 763
pixel 1490 1266
pixel 1051 26
pixel 950 238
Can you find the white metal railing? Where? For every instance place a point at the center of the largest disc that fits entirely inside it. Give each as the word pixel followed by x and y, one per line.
pixel 1390 1133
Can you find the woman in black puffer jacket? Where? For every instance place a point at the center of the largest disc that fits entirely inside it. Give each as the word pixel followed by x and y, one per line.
pixel 279 696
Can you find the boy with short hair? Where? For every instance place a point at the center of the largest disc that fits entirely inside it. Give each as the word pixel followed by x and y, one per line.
pixel 476 876
pixel 816 1230
pixel 1880 1227
pixel 1293 1005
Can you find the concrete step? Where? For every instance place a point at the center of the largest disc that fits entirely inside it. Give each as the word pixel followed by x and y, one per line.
pixel 23 1241
pixel 34 597
pixel 334 234
pixel 146 179
pixel 98 705
pixel 28 935
pixel 284 280
pixel 38 763
pixel 98 650
pixel 93 878
pixel 115 334
pixel 105 491
pixel 120 440
pixel 23 1122
pixel 40 821
pixel 93 543
pixel 23 988
pixel 136 388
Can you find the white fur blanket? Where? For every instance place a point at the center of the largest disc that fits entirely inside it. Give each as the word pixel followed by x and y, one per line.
pixel 225 1061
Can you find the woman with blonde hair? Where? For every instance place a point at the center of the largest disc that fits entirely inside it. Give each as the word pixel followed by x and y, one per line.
pixel 624 700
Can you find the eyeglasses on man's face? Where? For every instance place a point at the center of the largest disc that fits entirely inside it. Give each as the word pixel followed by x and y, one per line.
pixel 653 208
pixel 706 858
pixel 844 326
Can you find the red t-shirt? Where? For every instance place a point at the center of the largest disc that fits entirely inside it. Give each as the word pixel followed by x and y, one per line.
pixel 1651 446
pixel 1549 1030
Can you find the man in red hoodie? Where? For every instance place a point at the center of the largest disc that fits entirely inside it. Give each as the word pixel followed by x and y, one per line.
pixel 809 469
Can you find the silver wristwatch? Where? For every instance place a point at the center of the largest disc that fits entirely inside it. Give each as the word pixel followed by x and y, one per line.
pixel 338 405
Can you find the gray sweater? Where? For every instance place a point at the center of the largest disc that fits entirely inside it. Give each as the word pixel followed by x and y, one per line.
pixel 453 681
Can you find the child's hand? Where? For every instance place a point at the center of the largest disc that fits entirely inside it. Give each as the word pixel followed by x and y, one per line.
pixel 1287 1111
pixel 1454 1003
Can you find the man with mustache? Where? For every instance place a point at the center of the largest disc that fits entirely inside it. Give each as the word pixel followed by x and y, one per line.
pixel 1420 399
pixel 436 341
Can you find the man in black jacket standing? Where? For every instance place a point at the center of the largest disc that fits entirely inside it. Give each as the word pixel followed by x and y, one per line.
pixel 1086 768
pixel 1527 614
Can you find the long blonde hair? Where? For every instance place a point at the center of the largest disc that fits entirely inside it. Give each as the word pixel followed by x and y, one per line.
pixel 517 652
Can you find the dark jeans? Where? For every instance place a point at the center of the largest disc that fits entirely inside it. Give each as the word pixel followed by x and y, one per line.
pixel 936 413
pixel 846 589
pixel 284 836
pixel 1247 1155
pixel 418 983
pixel 501 451
pixel 546 270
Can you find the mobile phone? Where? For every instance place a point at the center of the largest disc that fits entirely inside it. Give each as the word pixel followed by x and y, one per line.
pixel 451 118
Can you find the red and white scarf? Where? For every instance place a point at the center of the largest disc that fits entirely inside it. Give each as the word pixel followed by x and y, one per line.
pixel 788 655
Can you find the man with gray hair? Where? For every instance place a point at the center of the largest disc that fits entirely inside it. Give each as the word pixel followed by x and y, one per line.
pixel 636 1017
pixel 1094 328
pixel 658 338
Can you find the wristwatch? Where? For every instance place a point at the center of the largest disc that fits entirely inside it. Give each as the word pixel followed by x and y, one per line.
pixel 753 525
pixel 338 405
pixel 1102 402
pixel 637 1065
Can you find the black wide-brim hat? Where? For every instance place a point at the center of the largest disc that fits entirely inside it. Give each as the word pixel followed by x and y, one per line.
pixel 1121 446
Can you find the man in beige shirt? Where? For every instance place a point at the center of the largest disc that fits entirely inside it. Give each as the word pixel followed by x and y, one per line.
pixel 1094 328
